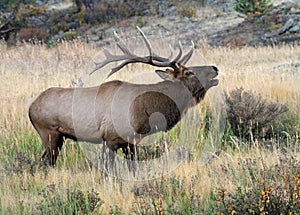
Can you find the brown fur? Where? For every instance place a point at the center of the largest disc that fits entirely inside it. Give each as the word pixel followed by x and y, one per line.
pixel 119 113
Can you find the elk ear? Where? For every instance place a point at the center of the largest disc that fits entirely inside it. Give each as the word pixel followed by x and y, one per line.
pixel 166 75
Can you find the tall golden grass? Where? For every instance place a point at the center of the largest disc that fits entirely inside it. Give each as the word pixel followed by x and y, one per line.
pixel 26 70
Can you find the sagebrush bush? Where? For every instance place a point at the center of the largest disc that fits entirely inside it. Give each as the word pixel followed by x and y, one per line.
pixel 187 12
pixel 73 202
pixel 168 196
pixel 253 8
pixel 250 115
pixel 274 190
pixel 33 35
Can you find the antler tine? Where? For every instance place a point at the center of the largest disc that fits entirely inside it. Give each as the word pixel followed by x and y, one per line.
pixel 171 54
pixel 187 57
pixel 179 53
pixel 122 45
pixel 109 58
pixel 147 42
pixel 112 58
pixel 171 63
pixel 152 55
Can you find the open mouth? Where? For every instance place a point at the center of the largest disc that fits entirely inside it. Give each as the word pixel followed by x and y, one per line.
pixel 214 80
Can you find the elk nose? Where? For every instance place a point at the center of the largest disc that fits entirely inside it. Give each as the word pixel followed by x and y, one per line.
pixel 215 69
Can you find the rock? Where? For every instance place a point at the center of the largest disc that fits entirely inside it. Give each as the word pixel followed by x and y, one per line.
pixel 295 29
pixel 289 39
pixel 169 11
pixel 165 8
pixel 286 26
pixel 296 8
pixel 185 19
pixel 60 7
pixel 110 31
pixel 39 3
pixel 100 34
pixel 60 34
pixel 73 25
pixel 172 19
pixel 36 21
pixel 50 2
pixel 93 38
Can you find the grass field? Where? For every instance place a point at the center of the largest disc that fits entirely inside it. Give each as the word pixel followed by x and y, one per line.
pixel 243 177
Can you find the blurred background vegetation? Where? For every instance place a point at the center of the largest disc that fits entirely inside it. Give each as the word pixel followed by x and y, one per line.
pixel 250 167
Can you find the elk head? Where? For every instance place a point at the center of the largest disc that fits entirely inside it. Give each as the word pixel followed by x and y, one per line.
pixel 190 76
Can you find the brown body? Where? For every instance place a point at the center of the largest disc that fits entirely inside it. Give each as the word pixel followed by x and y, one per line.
pixel 119 113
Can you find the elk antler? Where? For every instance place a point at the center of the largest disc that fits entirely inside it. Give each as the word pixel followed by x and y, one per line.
pixel 188 55
pixel 152 59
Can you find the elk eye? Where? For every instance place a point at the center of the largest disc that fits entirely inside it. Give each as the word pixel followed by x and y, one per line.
pixel 189 73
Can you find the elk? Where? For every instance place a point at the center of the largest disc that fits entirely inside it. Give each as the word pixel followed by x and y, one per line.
pixel 117 113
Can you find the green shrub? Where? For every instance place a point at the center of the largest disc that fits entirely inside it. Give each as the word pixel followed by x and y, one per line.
pixel 8 5
pixel 275 190
pixel 140 22
pixel 69 35
pixel 250 115
pixel 55 201
pixel 253 8
pixel 168 196
pixel 115 210
pixel 286 125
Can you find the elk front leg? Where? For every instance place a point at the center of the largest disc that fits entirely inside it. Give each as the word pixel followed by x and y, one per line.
pixel 130 155
pixel 108 157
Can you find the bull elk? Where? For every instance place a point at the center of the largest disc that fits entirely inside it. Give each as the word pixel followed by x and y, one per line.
pixel 117 112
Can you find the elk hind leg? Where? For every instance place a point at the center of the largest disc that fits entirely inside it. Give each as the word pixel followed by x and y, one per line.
pixel 53 142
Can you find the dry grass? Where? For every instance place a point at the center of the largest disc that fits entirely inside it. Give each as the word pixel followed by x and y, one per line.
pixel 27 70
